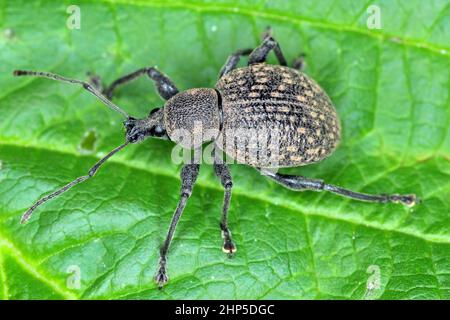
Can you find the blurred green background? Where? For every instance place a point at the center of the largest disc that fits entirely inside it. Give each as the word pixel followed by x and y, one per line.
pixel 390 87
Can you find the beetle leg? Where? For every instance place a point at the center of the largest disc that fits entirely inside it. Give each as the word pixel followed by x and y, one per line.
pixel 299 62
pixel 233 60
pixel 96 81
pixel 166 88
pixel 260 53
pixel 223 173
pixel 300 183
pixel 189 174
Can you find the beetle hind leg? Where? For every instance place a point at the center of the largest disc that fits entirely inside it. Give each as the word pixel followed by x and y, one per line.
pixel 299 183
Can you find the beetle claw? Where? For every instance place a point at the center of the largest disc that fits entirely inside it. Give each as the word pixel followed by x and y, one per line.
pixel 161 277
pixel 229 247
pixel 409 200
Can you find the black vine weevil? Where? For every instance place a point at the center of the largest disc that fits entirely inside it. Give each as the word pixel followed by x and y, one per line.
pixel 289 110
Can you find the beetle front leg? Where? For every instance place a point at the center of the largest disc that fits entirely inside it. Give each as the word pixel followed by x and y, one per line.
pixel 166 88
pixel 299 183
pixel 223 173
pixel 189 174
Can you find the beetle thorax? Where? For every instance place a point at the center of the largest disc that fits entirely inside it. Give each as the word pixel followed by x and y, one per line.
pixel 192 117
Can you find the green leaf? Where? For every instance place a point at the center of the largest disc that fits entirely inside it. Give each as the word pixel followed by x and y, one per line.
pixel 390 87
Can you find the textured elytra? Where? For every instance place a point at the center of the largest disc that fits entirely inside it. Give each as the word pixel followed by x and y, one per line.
pixel 293 116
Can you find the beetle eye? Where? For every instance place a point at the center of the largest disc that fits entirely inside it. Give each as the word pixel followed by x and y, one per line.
pixel 157 131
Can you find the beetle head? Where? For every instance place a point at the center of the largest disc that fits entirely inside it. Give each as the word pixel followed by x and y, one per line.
pixel 139 129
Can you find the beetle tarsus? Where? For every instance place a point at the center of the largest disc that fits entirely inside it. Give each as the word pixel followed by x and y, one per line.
pixel 409 200
pixel 161 277
pixel 228 246
pixel 299 62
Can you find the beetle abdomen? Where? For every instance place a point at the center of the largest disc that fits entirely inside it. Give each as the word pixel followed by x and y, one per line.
pixel 292 118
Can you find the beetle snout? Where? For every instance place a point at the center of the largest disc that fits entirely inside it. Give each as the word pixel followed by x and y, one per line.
pixel 133 135
pixel 134 132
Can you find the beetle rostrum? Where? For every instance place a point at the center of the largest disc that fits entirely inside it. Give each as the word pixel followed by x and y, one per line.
pixel 283 105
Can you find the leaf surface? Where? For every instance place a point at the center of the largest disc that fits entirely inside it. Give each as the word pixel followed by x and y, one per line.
pixel 391 90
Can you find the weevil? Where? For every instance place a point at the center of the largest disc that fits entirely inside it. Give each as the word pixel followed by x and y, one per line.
pixel 280 101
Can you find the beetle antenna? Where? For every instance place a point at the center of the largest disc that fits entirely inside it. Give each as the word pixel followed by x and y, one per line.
pixel 85 85
pixel 78 180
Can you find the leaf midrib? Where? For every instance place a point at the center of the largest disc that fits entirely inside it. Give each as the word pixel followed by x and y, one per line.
pixel 306 211
pixel 295 19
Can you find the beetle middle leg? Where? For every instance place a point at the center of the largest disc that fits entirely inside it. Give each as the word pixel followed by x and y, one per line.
pixel 223 173
pixel 189 174
pixel 166 88
pixel 259 54
pixel 299 183
pixel 233 60
pixel 299 62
